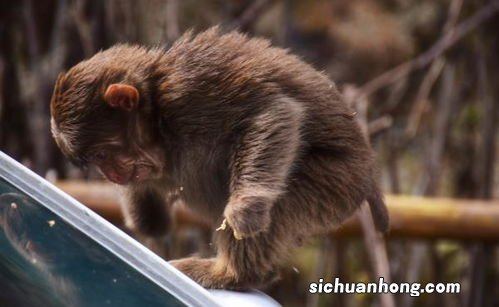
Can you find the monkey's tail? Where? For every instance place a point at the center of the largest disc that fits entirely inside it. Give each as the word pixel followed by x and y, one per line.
pixel 379 211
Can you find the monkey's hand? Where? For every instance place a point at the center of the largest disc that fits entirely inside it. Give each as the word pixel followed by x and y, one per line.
pixel 247 216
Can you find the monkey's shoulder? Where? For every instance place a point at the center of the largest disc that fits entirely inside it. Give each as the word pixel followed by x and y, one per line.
pixel 234 56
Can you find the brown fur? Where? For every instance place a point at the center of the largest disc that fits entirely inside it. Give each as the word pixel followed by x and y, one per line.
pixel 245 132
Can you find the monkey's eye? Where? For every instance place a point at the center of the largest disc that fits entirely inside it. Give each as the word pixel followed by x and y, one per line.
pixel 99 156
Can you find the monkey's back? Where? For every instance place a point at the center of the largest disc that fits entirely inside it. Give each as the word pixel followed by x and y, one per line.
pixel 219 70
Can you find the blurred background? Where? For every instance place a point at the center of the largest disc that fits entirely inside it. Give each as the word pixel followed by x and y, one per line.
pixel 422 74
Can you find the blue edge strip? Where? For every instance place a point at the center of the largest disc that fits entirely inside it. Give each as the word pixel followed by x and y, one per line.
pixel 105 233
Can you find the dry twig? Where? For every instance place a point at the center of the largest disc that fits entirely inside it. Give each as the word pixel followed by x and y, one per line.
pixel 431 76
pixel 434 167
pixel 250 15
pixel 375 243
pixel 439 47
pixel 481 253
pixel 36 77
pixel 376 126
pixel 83 27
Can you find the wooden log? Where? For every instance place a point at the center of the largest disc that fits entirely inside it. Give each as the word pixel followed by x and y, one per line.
pixel 103 198
pixel 410 216
pixel 436 218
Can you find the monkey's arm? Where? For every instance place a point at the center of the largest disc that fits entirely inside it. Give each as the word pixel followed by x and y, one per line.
pixel 260 166
pixel 146 210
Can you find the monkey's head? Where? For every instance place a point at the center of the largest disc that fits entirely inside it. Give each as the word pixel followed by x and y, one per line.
pixel 101 115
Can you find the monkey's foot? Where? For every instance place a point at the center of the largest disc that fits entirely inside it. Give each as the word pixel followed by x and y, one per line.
pixel 203 272
pixel 208 275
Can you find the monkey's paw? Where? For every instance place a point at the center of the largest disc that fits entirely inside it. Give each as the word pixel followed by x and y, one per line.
pixel 203 272
pixel 248 216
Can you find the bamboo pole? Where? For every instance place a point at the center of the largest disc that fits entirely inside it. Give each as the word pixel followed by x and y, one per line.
pixel 434 218
pixel 103 198
pixel 410 216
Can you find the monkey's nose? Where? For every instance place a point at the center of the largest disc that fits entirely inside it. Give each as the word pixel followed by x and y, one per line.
pixel 118 178
pixel 141 173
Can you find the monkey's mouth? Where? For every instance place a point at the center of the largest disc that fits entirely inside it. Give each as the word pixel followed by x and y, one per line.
pixel 134 174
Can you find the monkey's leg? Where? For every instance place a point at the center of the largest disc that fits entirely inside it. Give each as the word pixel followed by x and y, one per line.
pixel 342 166
pixel 146 212
pixel 261 164
pixel 239 264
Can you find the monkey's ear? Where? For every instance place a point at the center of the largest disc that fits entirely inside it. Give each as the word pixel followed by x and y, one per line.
pixel 122 96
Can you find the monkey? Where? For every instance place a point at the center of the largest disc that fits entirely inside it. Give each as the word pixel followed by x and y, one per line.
pixel 244 133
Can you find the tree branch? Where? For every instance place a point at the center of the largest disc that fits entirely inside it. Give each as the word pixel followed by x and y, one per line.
pixel 374 241
pixel 446 41
pixel 32 37
pixel 432 75
pixel 83 27
pixel 376 126
pixel 250 15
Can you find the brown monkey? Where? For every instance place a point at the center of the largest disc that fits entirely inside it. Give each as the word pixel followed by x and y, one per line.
pixel 241 131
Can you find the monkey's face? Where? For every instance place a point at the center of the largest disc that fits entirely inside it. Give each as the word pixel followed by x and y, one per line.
pixel 123 155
